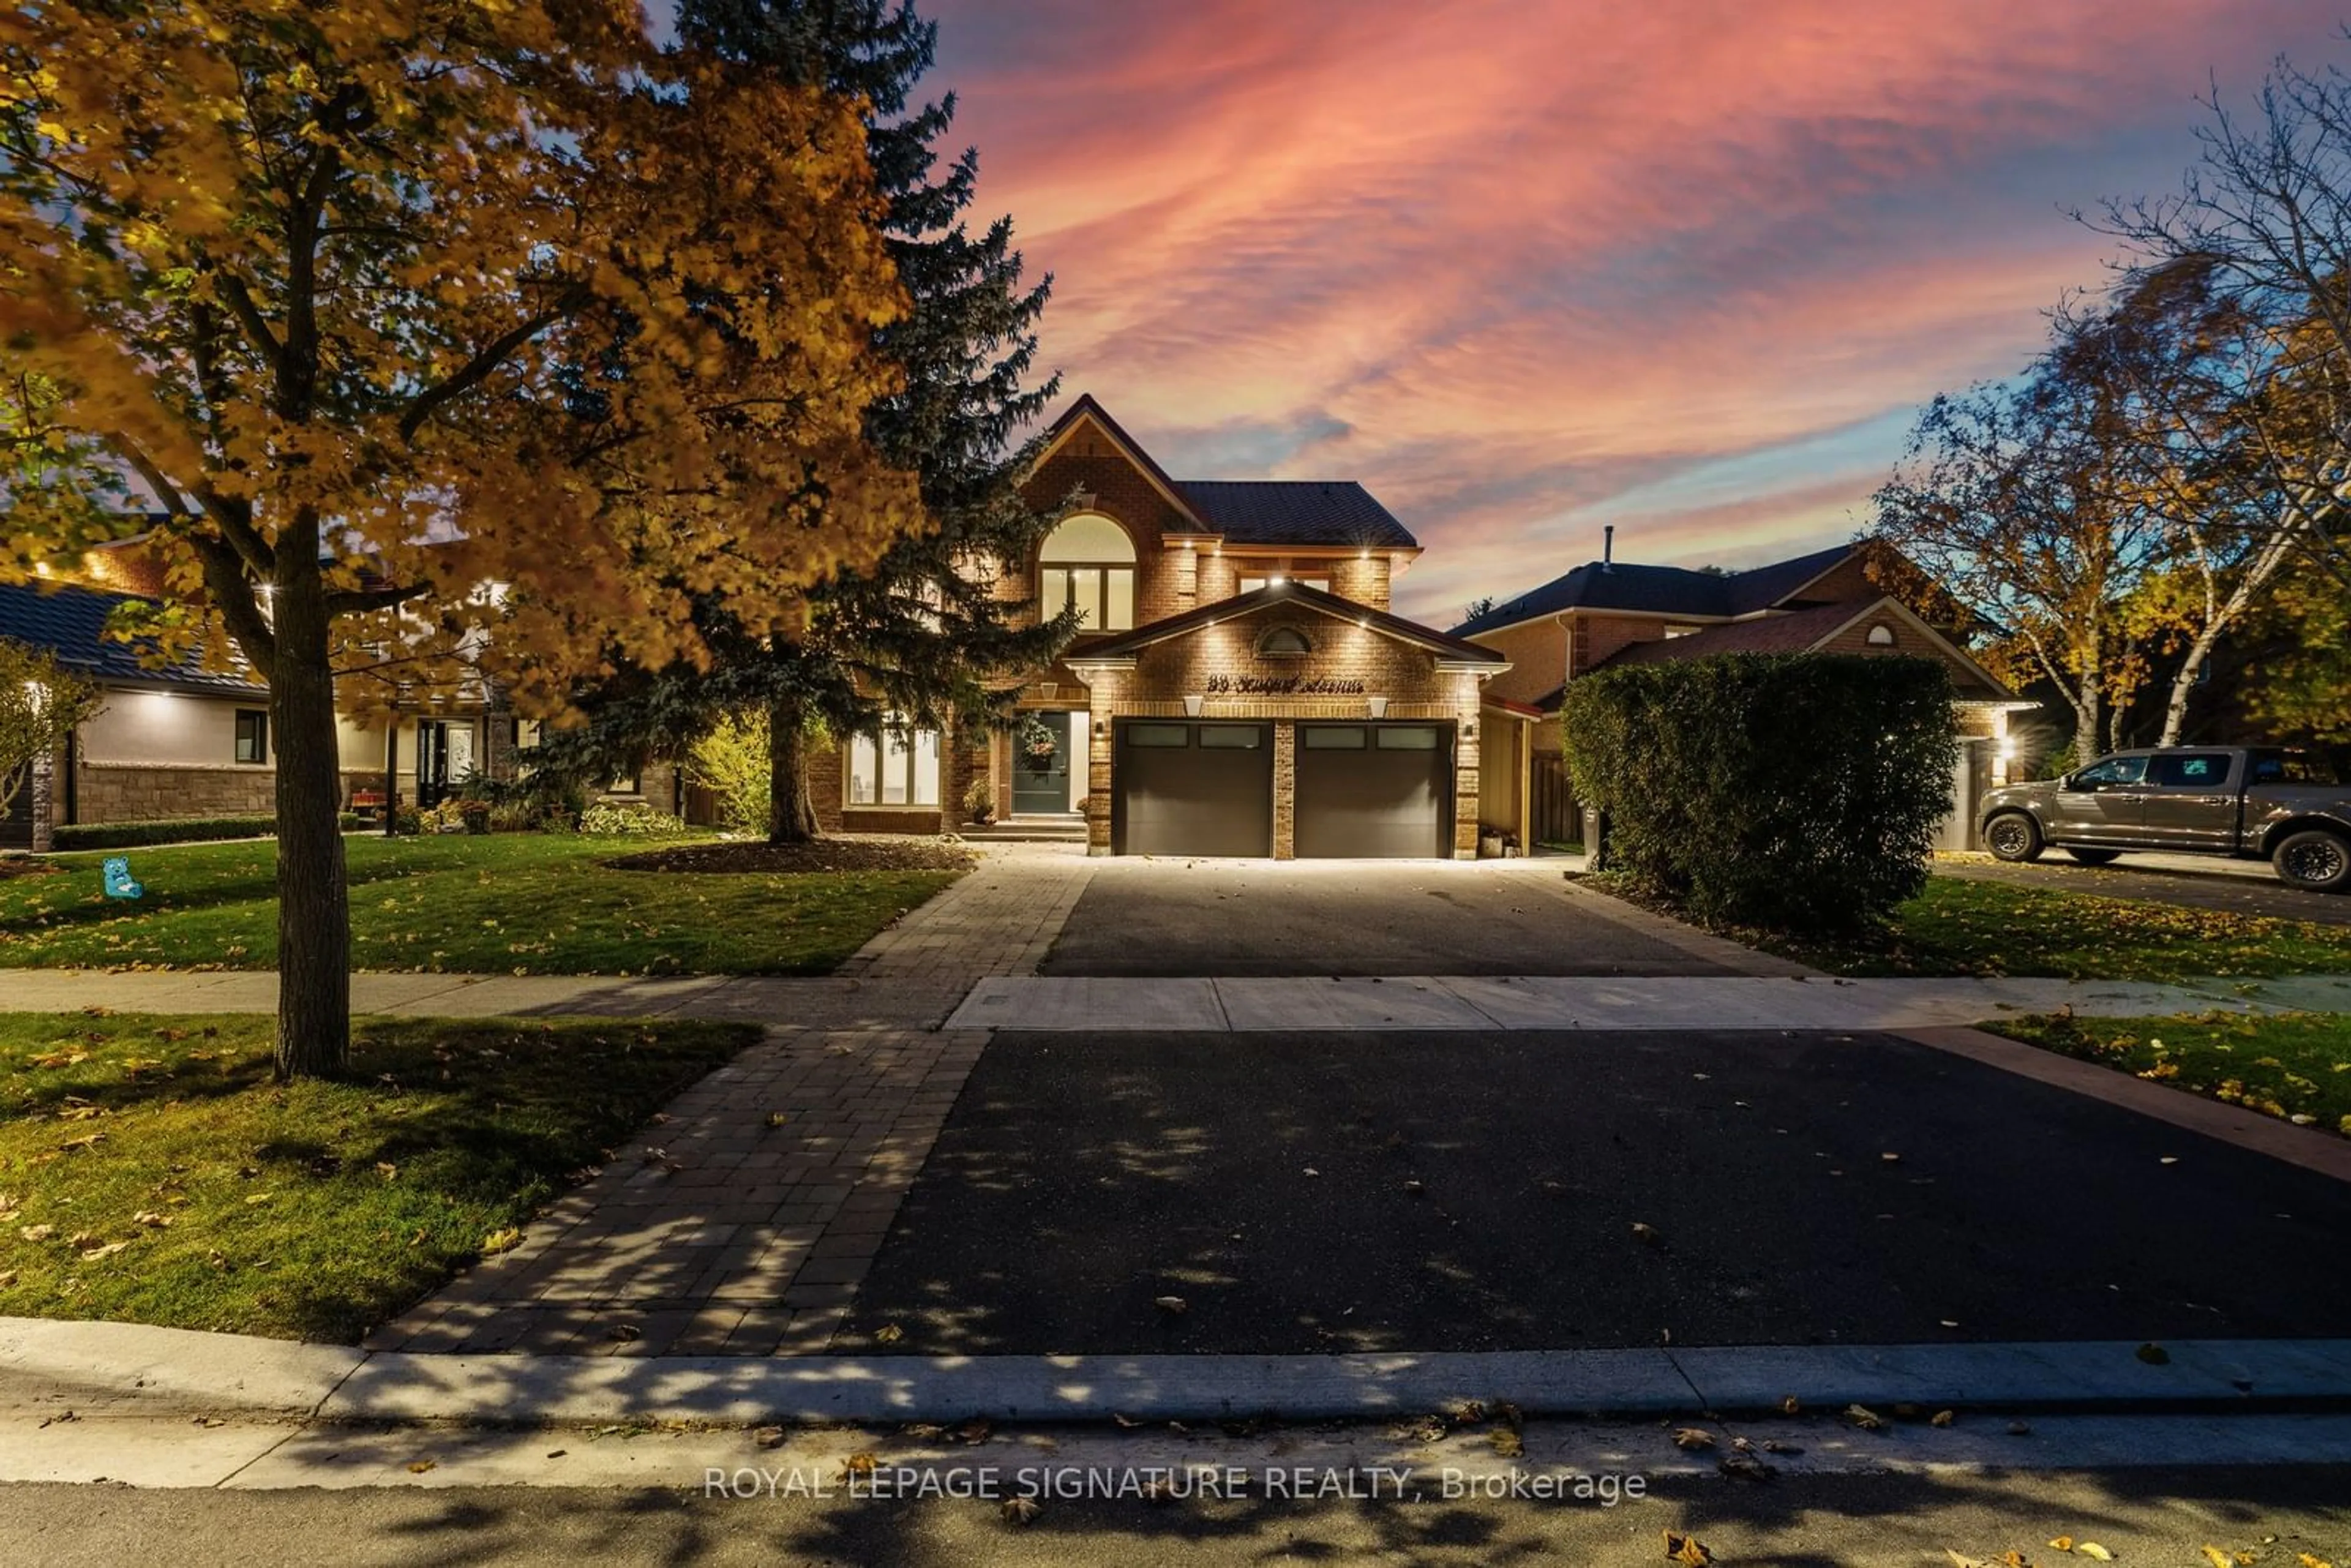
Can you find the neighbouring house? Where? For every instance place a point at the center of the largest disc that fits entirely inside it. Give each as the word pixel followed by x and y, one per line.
pixel 1241 687
pixel 1607 613
pixel 178 739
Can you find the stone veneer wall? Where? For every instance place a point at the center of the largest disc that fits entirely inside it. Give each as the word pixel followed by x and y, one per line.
pixel 140 792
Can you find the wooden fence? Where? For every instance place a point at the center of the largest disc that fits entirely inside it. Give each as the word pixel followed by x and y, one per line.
pixel 1556 817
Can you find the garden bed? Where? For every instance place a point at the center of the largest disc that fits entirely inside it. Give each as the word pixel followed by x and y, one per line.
pixel 752 856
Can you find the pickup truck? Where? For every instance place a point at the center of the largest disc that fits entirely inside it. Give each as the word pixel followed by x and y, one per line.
pixel 2249 802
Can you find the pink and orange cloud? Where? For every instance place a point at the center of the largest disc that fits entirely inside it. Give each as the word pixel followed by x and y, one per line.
pixel 1527 267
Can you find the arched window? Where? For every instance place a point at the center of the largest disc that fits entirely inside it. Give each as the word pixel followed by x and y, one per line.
pixel 1284 643
pixel 1087 562
pixel 1881 635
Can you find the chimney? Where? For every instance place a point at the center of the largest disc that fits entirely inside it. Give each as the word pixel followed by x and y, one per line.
pixel 1608 548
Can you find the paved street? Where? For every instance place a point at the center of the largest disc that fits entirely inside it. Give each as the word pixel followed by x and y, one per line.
pixel 1465 1191
pixel 1145 917
pixel 2141 1516
pixel 2194 881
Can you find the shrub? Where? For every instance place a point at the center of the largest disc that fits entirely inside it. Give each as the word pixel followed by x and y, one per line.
pixel 352 822
pixel 632 820
pixel 1797 792
pixel 978 802
pixel 732 762
pixel 161 831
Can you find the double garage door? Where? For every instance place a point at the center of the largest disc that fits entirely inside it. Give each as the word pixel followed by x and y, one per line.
pixel 1205 786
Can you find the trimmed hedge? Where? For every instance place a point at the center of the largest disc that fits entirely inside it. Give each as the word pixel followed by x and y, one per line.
pixel 1796 792
pixel 161 831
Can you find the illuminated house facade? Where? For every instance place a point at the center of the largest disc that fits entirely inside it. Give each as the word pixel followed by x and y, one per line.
pixel 1241 687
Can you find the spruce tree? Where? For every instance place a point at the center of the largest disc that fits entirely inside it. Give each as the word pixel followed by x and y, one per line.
pixel 924 633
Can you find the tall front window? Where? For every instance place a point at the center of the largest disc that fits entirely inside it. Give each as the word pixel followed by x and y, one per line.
pixel 899 766
pixel 1087 562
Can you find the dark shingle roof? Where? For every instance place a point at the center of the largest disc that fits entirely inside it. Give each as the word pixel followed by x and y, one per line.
pixel 1296 512
pixel 1790 634
pixel 1661 589
pixel 71 623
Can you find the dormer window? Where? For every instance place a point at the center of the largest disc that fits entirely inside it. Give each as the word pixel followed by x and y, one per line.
pixel 1087 562
pixel 1284 643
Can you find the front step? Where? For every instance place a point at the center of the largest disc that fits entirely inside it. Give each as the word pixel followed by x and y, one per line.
pixel 1027 831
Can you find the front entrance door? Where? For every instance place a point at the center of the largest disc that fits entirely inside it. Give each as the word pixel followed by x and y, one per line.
pixel 1041 767
pixel 444 755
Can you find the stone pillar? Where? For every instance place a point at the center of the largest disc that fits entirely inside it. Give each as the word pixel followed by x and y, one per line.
pixel 1285 789
pixel 1100 736
pixel 43 789
pixel 1465 767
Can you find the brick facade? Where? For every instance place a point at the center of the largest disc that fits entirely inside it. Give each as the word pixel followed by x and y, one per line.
pixel 1166 675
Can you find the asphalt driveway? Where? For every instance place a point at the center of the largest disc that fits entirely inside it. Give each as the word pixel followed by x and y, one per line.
pixel 1161 917
pixel 1332 1192
pixel 2240 887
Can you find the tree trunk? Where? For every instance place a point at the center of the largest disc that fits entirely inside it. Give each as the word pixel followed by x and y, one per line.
pixel 791 813
pixel 314 931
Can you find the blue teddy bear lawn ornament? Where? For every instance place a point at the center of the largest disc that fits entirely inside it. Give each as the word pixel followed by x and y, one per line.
pixel 118 878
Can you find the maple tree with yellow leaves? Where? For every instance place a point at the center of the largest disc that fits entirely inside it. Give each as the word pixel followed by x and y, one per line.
pixel 430 340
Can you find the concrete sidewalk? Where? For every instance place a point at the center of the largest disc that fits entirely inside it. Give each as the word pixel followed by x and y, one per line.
pixel 1102 1005
pixel 126 1369
pixel 833 1001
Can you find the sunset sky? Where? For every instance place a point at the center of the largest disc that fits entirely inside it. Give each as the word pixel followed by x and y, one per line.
pixel 1529 267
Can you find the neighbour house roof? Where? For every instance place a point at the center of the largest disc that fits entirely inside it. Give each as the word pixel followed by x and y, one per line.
pixel 1128 644
pixel 1309 513
pixel 71 623
pixel 1796 632
pixel 1663 591
pixel 1790 634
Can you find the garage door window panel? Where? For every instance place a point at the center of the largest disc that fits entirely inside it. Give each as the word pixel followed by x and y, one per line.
pixel 1333 737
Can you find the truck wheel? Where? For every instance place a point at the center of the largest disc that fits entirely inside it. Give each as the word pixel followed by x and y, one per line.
pixel 2012 836
pixel 2314 859
pixel 2092 857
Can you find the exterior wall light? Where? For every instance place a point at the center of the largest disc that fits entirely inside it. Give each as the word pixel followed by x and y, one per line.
pixel 1192 703
pixel 1276 580
pixel 1379 707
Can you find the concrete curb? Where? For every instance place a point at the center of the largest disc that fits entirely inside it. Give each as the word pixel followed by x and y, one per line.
pixel 121 1368
pixel 46 1365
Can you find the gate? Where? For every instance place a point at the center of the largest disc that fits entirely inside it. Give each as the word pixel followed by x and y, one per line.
pixel 1552 813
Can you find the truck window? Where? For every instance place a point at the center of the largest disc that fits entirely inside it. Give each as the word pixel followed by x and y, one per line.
pixel 2291 768
pixel 2113 771
pixel 2190 770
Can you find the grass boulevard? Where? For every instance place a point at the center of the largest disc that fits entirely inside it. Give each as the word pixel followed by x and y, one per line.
pixel 521 903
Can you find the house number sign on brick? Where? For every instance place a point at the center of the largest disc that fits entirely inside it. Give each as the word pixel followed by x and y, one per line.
pixel 1284 687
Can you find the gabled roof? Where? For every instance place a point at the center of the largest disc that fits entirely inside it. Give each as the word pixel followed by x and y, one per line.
pixel 1790 634
pixel 1309 513
pixel 1313 512
pixel 1663 590
pixel 71 623
pixel 1451 649
pixel 1797 631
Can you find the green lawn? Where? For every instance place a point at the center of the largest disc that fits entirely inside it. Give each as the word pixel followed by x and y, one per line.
pixel 1962 927
pixel 151 1172
pixel 523 903
pixel 2296 1066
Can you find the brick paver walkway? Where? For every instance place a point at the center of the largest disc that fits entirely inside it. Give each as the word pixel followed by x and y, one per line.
pixel 743 1220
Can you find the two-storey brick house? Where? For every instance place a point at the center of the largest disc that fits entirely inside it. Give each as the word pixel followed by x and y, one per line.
pixel 1241 687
